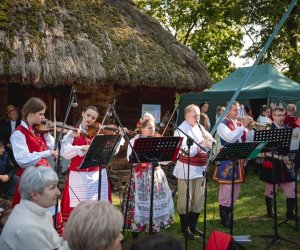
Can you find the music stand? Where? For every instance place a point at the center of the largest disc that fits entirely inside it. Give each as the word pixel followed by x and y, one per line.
pixel 294 148
pixel 234 152
pixel 100 153
pixel 277 140
pixel 154 150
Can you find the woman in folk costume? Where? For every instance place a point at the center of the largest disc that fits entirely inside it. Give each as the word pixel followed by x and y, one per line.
pixel 82 184
pixel 230 130
pixel 140 186
pixel 32 148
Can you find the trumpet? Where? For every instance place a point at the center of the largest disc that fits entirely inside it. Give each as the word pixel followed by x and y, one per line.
pixel 259 126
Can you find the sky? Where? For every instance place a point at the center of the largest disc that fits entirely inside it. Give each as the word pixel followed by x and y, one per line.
pixel 242 62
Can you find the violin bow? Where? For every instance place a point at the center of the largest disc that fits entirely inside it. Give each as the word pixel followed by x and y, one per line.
pixel 104 118
pixel 54 117
pixel 174 110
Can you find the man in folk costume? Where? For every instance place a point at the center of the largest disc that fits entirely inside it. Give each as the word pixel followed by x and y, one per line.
pixel 230 130
pixel 283 169
pixel 198 161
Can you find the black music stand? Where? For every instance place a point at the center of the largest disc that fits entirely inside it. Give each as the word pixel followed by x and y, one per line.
pixel 100 153
pixel 154 150
pixel 278 140
pixel 234 152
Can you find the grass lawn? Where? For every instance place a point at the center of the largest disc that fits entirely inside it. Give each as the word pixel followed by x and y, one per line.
pixel 249 217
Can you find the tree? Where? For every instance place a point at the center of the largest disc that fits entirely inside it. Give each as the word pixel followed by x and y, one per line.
pixel 209 27
pixel 214 29
pixel 284 50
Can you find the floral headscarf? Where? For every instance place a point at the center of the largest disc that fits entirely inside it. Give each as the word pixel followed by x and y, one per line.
pixel 147 116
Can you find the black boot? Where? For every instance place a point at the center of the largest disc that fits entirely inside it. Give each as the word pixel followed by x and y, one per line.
pixel 290 208
pixel 193 223
pixel 269 202
pixel 225 216
pixel 184 220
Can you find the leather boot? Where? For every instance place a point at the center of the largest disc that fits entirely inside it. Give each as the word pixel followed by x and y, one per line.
pixel 269 202
pixel 185 226
pixel 290 208
pixel 225 216
pixel 193 217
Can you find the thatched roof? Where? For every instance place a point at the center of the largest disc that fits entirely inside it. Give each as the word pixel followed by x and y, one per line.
pixel 92 42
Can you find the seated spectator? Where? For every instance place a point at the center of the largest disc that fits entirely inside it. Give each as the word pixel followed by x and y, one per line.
pixel 157 242
pixel 8 179
pixel 10 124
pixel 264 117
pixel 291 120
pixel 30 225
pixel 94 225
pixel 5 211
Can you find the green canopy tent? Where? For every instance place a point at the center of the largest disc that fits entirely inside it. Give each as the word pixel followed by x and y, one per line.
pixel 266 85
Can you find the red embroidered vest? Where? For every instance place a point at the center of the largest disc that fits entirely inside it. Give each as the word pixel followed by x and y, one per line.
pixel 77 160
pixel 35 143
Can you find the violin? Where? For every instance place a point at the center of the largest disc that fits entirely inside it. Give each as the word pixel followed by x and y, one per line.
pixel 47 126
pixel 93 130
pixel 110 129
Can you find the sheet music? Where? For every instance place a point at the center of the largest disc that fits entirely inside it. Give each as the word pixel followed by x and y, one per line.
pixel 85 186
pixel 295 139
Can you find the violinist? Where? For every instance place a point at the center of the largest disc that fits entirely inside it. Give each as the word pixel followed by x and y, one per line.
pixel 31 148
pixel 82 184
pixel 139 198
pixel 198 161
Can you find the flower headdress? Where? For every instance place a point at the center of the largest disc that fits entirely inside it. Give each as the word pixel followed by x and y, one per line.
pixel 147 116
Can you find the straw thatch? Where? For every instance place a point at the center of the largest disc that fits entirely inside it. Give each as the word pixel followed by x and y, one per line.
pixel 92 42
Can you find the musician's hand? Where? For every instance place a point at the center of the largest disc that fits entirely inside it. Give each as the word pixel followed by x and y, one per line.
pixel 4 178
pixel 54 153
pixel 206 144
pixel 76 133
pixel 85 148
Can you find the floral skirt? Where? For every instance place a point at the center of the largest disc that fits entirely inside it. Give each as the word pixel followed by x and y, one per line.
pixel 138 211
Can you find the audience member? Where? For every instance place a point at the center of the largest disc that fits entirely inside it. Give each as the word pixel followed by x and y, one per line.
pixel 219 112
pixel 30 224
pixel 9 127
pixel 157 242
pixel 291 120
pixel 8 179
pixel 94 225
pixel 204 119
pixel 264 117
pixel 5 211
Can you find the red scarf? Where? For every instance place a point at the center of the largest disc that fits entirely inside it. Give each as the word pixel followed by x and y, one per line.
pixel 231 126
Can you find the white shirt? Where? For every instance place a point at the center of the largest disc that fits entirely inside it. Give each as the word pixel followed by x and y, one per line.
pixel 181 169
pixel 21 152
pixel 264 120
pixel 13 125
pixel 229 135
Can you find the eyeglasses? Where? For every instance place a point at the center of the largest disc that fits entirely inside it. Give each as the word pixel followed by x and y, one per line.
pixel 282 115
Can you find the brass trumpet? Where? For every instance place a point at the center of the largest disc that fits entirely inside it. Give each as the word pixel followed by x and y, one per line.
pixel 259 126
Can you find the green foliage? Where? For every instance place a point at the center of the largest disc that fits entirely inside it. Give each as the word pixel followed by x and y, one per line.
pixel 214 29
pixel 211 28
pixel 285 48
